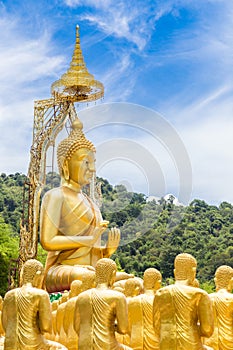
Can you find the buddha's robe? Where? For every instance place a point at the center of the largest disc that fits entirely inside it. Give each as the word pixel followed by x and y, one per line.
pixel 222 338
pixel 182 315
pixel 72 213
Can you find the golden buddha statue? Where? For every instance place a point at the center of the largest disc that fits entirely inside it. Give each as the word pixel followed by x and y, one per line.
pixel 53 334
pixel 68 323
pixel 140 310
pixel 101 311
pixel 61 336
pixel 71 223
pixel 222 338
pixel 132 288
pixel 182 314
pixel 26 314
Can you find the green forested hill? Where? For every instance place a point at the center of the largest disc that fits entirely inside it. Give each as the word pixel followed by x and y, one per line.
pixel 153 233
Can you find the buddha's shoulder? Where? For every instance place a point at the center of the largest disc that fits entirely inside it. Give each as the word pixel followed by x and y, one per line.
pixel 55 193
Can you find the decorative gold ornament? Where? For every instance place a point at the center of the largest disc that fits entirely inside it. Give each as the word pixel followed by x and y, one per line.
pixel 77 81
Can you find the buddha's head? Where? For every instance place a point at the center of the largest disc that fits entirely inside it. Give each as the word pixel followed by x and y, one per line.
pixel 76 156
pixel 224 278
pixel 105 271
pixel 185 268
pixel 32 272
pixel 152 279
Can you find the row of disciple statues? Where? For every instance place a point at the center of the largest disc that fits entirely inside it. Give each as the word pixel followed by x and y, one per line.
pixel 99 312
pixel 100 308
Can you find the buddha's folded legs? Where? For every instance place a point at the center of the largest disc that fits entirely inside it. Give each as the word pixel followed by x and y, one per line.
pixel 60 277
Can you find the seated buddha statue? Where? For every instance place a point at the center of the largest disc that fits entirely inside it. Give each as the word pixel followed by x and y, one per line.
pixel 222 338
pixel 71 223
pixel 182 313
pixel 26 314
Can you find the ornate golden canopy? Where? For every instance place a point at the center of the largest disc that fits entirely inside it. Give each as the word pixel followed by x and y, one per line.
pixel 77 82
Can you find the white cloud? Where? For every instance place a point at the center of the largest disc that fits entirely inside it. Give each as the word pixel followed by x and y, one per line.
pixel 27 69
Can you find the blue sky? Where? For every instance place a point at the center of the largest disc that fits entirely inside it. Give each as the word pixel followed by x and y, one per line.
pixel 174 57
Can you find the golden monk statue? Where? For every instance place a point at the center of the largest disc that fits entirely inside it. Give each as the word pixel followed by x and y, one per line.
pixel 26 314
pixel 60 315
pixel 76 288
pixel 182 313
pixel 68 322
pixel 222 338
pixel 71 223
pixel 140 310
pixel 101 311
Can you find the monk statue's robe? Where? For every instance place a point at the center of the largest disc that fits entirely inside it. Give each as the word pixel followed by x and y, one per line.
pixel 96 314
pixel 140 309
pixel 222 338
pixel 182 315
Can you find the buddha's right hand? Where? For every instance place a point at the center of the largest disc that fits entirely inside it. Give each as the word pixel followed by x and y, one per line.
pixel 99 230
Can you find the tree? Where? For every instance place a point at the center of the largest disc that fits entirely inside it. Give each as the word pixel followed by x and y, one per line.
pixel 8 250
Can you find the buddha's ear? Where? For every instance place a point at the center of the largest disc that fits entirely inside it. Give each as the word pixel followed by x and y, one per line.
pixel 65 170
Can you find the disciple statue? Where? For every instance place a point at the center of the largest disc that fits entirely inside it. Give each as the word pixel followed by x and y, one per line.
pixel 133 287
pixel 101 311
pixel 60 315
pixel 71 223
pixel 76 288
pixel 68 323
pixel 26 314
pixel 182 313
pixel 140 310
pixel 222 338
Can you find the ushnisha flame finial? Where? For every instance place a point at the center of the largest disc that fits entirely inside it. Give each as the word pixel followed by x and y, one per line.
pixel 77 82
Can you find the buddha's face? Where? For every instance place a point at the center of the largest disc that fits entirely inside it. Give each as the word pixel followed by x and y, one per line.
pixel 81 166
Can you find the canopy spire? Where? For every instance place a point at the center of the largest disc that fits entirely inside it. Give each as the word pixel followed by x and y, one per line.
pixel 77 82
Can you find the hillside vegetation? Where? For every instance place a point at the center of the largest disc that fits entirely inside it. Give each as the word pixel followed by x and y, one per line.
pixel 153 233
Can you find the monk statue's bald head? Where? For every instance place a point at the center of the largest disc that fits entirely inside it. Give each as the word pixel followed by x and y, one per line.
pixel 105 271
pixel 223 276
pixel 152 278
pixel 185 267
pixel 32 268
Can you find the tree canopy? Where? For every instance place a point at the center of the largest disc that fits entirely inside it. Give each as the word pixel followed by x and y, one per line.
pixel 152 232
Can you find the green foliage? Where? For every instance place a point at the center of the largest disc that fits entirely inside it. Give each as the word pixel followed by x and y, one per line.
pixel 152 233
pixel 8 250
pixel 11 195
